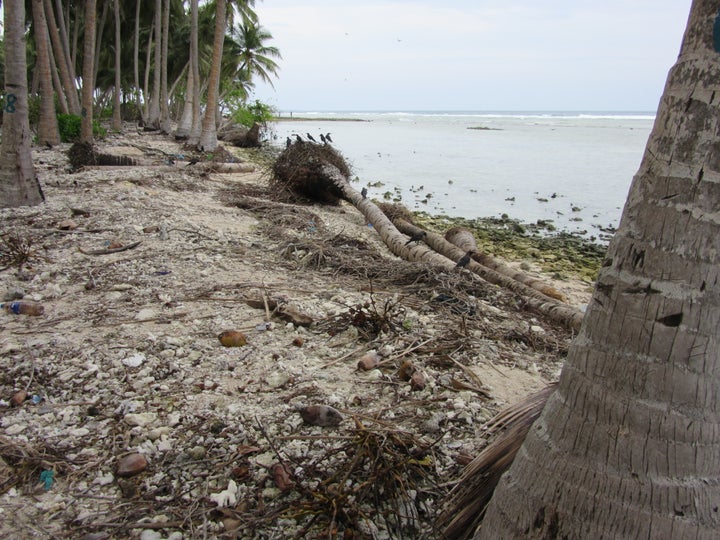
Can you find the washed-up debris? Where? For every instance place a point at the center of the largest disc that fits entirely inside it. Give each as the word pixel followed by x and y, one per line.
pixel 320 415
pixel 131 465
pixel 232 338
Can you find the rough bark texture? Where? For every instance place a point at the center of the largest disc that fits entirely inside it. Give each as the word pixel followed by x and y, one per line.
pixel 629 445
pixel 48 132
pixel 465 240
pixel 18 184
pixel 563 314
pixel 208 137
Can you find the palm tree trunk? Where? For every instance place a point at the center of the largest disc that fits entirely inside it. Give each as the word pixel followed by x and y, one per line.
pixel 195 128
pixel 146 84
pixel 154 114
pixel 185 123
pixel 48 132
pixel 208 137
pixel 165 120
pixel 57 83
pixel 533 297
pixel 100 29
pixel 18 184
pixel 62 27
pixel 86 127
pixel 117 113
pixel 65 70
pixel 136 67
pixel 628 446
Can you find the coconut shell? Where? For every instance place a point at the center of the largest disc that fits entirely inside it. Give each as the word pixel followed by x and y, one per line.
pixel 232 338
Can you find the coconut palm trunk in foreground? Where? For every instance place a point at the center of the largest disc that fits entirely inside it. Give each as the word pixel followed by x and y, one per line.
pixel 18 184
pixel 629 444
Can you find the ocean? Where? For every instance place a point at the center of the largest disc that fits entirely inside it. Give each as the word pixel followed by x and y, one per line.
pixel 571 169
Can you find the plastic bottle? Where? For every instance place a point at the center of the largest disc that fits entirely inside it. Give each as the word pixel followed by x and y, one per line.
pixel 23 308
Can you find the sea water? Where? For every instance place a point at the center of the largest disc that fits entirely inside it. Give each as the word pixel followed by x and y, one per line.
pixel 570 169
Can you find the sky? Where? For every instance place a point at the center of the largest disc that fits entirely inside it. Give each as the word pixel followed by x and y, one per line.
pixel 502 55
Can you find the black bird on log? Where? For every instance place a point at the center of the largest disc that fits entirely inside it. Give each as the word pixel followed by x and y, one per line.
pixel 310 137
pixel 288 142
pixel 417 237
pixel 323 139
pixel 464 260
pixel 327 136
pixel 363 192
pixel 298 137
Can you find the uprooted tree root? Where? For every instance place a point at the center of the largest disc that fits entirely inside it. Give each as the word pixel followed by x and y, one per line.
pixel 299 169
pixel 82 154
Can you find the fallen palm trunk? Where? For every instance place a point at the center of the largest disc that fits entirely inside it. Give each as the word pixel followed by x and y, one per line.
pixel 470 496
pixel 465 240
pixel 562 313
pixel 319 172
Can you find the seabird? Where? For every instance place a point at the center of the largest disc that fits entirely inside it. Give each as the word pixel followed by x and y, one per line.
pixel 299 138
pixel 323 139
pixel 288 142
pixel 464 260
pixel 327 136
pixel 310 137
pixel 363 192
pixel 417 237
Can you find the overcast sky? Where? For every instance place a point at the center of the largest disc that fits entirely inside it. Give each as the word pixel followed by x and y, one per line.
pixel 401 55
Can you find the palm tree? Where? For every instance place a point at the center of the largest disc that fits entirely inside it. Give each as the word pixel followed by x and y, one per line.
pixel 18 183
pixel 154 112
pixel 208 136
pixel 86 127
pixel 629 445
pixel 48 131
pixel 61 55
pixel 254 57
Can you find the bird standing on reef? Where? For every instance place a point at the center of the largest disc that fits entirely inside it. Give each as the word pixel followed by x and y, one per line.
pixel 288 142
pixel 327 137
pixel 323 139
pixel 416 237
pixel 310 137
pixel 298 137
pixel 465 259
pixel 363 192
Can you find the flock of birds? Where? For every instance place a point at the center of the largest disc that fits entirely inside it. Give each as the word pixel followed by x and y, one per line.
pixel 324 138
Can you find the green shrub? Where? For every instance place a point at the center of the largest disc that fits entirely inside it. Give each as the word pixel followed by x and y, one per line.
pixel 248 114
pixel 69 126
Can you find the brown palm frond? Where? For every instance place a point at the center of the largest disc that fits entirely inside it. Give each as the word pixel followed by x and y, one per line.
pixel 469 498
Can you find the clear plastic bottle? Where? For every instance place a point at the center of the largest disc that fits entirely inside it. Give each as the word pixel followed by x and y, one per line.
pixel 23 308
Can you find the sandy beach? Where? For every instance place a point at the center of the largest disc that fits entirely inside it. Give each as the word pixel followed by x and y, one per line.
pixel 150 427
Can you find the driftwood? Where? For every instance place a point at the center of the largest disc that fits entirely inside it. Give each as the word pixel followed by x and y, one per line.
pixel 110 250
pixel 469 498
pixel 551 307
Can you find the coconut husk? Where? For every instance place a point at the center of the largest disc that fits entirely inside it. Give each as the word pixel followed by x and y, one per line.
pixel 300 169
